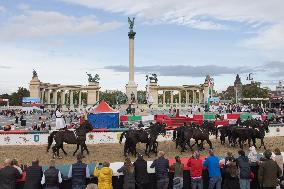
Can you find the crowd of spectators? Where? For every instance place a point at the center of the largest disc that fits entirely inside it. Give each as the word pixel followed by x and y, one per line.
pixel 230 172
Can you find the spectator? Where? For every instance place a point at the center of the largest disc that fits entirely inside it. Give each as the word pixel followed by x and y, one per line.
pixel 212 163
pixel 51 177
pixel 252 155
pixel 92 186
pixel 141 174
pixel 231 179
pixel 15 164
pixel 129 174
pixel 8 175
pixel 243 164
pixel 229 158
pixel 268 172
pixel 161 166
pixel 195 165
pixel 104 175
pixel 279 159
pixel 140 125
pixel 79 172
pixel 178 168
pixel 33 176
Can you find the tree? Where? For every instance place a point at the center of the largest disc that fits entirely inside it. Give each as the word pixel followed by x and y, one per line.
pixel 113 97
pixel 16 97
pixel 141 97
pixel 254 90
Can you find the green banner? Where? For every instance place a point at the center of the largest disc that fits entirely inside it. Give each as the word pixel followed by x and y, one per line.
pixel 134 118
pixel 245 116
pixel 209 116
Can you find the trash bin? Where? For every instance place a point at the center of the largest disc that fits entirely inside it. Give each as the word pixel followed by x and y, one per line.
pixel 23 122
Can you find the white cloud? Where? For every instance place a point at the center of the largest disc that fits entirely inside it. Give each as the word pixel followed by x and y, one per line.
pixel 36 24
pixel 206 14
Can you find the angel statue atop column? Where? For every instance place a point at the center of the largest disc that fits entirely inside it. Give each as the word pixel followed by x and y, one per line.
pixel 131 23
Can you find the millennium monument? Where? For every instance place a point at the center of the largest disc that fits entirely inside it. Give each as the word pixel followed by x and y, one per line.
pixel 131 86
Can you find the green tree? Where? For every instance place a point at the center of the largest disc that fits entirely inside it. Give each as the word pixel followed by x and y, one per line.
pixel 254 90
pixel 141 97
pixel 16 97
pixel 113 97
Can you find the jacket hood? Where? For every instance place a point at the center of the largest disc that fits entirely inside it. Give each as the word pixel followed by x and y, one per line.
pixel 105 171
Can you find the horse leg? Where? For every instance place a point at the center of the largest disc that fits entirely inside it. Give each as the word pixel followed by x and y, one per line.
pixel 76 150
pixel 86 148
pixel 209 143
pixel 65 153
pixel 54 152
pixel 262 143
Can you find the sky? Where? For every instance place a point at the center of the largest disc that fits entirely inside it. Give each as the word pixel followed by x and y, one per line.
pixel 180 40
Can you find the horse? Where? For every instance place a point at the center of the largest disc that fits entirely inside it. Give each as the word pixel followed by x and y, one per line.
pixel 197 134
pixel 148 137
pixel 259 133
pixel 78 137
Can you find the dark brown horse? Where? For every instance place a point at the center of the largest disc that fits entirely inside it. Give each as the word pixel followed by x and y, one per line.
pixel 148 137
pixel 78 137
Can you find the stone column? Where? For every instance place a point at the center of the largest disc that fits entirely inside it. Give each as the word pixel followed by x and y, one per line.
pixel 80 99
pixel 71 99
pixel 193 96
pixel 200 97
pixel 164 97
pixel 131 59
pixel 98 96
pixel 131 87
pixel 63 97
pixel 42 96
pixel 179 97
pixel 186 97
pixel 48 96
pixel 55 97
pixel 172 97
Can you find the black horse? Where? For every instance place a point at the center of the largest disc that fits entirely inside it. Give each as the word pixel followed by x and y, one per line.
pixel 78 137
pixel 186 133
pixel 148 137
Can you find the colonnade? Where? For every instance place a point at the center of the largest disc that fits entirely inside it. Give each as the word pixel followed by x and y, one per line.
pixel 195 94
pixel 65 97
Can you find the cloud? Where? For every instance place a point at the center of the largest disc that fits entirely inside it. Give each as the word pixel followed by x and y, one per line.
pixel 4 67
pixel 265 18
pixel 37 24
pixel 184 70
pixel 274 68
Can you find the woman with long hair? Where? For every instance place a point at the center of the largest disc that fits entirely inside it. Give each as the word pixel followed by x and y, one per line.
pixel 129 174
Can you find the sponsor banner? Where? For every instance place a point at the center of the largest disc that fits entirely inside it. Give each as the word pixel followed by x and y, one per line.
pixel 98 137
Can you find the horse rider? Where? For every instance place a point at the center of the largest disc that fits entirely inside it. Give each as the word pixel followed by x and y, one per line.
pixel 60 122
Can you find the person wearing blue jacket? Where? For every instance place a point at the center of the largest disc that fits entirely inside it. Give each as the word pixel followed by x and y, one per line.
pixel 212 164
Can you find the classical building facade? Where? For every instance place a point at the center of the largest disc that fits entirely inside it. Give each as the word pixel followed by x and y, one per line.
pixel 187 94
pixel 57 94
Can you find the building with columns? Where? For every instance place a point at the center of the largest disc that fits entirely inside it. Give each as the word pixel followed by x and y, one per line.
pixel 57 94
pixel 163 96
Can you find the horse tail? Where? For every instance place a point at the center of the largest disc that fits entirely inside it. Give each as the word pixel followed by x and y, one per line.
pixel 50 139
pixel 122 136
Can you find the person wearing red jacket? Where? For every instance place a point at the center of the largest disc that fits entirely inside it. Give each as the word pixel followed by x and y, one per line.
pixel 195 165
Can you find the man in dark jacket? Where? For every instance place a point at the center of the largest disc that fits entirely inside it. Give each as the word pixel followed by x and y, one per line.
pixel 8 175
pixel 51 177
pixel 268 172
pixel 33 176
pixel 161 166
pixel 243 164
pixel 79 172
pixel 141 174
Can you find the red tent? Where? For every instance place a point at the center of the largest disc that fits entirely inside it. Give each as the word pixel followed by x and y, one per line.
pixel 103 107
